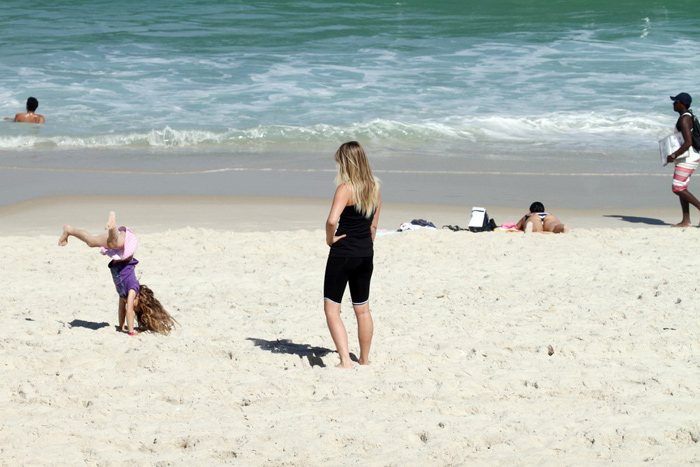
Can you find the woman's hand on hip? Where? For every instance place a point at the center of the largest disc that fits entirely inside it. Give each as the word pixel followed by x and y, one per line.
pixel 336 238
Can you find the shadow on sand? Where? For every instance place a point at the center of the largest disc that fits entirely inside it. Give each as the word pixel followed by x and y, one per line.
pixel 312 354
pixel 638 220
pixel 79 323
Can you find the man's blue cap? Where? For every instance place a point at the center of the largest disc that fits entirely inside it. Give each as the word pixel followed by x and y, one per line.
pixel 683 98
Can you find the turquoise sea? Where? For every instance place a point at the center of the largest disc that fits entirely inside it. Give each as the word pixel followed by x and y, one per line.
pixel 569 85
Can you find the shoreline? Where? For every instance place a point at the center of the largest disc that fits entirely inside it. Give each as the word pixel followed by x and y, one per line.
pixel 450 180
pixel 150 214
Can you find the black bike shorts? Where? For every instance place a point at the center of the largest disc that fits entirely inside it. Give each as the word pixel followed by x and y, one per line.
pixel 354 271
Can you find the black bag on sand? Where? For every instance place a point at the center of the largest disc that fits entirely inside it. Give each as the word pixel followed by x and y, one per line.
pixel 480 222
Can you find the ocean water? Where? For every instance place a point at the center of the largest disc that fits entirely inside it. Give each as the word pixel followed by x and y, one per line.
pixel 570 84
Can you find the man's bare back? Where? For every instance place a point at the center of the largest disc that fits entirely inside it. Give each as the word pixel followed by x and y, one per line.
pixel 29 117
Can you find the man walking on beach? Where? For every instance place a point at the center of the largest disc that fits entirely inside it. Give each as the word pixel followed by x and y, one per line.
pixel 686 158
pixel 29 116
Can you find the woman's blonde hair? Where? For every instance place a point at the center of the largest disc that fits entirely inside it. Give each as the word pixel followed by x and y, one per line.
pixel 151 315
pixel 354 171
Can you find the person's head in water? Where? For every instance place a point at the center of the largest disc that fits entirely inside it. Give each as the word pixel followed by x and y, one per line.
pixel 32 104
pixel 537 207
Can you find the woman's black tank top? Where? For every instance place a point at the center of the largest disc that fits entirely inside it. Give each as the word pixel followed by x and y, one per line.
pixel 358 243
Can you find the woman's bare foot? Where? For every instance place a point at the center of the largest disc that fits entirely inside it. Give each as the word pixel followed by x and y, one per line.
pixel 63 239
pixel 683 224
pixel 528 227
pixel 111 221
pixel 366 362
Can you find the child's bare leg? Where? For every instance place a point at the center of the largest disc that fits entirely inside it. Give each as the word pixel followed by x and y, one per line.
pixel 365 330
pixel 111 221
pixel 89 239
pixel 112 239
pixel 115 239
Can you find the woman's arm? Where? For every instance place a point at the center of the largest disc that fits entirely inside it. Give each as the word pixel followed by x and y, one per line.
pixel 375 221
pixel 340 200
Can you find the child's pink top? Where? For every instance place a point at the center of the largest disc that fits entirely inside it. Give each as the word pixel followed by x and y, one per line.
pixel 130 244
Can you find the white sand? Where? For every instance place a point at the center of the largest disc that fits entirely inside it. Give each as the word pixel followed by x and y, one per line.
pixel 461 373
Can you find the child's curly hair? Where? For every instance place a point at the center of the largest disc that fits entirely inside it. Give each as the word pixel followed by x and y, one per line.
pixel 151 315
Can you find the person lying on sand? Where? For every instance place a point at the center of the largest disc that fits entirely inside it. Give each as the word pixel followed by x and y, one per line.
pixel 537 220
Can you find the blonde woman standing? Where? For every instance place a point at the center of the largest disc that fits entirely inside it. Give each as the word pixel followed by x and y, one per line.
pixel 350 231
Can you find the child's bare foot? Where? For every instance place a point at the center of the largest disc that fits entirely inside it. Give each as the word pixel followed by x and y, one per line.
pixel 125 329
pixel 63 239
pixel 111 221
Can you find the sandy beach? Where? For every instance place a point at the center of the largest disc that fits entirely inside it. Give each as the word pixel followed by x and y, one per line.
pixel 211 129
pixel 489 349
